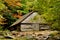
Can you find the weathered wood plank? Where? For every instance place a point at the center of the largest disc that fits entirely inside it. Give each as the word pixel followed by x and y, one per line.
pixel 34 23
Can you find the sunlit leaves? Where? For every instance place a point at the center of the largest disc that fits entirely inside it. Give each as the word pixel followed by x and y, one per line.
pixel 13 2
pixel 51 11
pixel 2 6
pixel 2 19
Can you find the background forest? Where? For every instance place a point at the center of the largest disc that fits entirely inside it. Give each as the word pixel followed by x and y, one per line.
pixel 11 10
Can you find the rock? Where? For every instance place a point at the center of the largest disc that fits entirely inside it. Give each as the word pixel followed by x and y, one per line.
pixel 1 36
pixel 57 37
pixel 9 37
pixel 29 36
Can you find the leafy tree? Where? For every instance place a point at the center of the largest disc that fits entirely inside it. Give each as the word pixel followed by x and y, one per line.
pixel 50 12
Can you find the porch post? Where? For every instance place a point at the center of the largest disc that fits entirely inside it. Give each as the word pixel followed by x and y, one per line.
pixel 19 27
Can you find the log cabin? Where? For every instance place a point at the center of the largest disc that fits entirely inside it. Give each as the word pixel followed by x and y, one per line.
pixel 28 26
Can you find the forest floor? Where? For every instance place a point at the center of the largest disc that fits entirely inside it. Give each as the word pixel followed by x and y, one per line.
pixel 14 35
